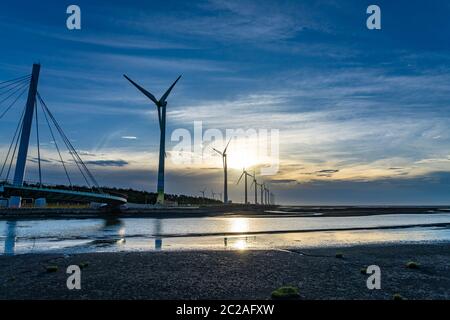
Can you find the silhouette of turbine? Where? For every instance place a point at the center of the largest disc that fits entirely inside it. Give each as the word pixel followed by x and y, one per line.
pixel 161 107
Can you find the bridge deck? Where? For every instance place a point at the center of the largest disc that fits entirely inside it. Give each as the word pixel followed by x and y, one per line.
pixel 60 195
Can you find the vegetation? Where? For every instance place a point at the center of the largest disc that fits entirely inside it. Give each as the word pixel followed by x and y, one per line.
pixel 412 265
pixel 397 296
pixel 137 196
pixel 51 268
pixel 339 255
pixel 286 292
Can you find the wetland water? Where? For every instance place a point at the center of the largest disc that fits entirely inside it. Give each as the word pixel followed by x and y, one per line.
pixel 217 233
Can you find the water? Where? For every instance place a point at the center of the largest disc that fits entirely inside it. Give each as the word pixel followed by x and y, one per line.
pixel 131 234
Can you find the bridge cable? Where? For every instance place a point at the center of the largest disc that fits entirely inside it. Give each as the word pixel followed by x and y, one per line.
pixel 12 141
pixel 14 81
pixel 69 144
pixel 47 114
pixel 57 148
pixel 38 144
pixel 78 161
pixel 12 103
pixel 17 87
pixel 14 151
pixel 75 155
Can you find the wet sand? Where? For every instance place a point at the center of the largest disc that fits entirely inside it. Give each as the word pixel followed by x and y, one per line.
pixel 232 274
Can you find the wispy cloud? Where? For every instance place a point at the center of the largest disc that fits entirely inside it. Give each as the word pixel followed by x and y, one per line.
pixel 239 21
pixel 108 163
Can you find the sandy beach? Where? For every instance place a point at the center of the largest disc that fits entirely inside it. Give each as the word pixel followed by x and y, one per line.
pixel 318 274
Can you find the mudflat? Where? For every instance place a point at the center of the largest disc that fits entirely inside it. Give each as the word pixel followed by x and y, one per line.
pixel 322 273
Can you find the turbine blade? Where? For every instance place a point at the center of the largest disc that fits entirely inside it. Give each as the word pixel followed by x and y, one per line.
pixel 159 117
pixel 240 177
pixel 225 150
pixel 145 92
pixel 165 95
pixel 218 151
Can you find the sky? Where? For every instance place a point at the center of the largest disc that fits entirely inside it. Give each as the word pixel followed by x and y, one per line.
pixel 362 115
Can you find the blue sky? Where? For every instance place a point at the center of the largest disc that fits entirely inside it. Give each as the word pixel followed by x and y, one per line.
pixel 363 115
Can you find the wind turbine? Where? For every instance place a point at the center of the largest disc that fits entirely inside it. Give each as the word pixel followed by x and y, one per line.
pixel 272 198
pixel 203 193
pixel 266 195
pixel 225 176
pixel 161 107
pixel 262 194
pixel 256 187
pixel 213 194
pixel 244 173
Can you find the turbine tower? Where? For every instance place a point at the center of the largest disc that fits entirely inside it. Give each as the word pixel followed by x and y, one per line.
pixel 244 173
pixel 161 107
pixel 254 182
pixel 266 195
pixel 262 192
pixel 225 175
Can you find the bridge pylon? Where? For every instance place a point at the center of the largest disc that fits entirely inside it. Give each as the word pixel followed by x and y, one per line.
pixel 25 133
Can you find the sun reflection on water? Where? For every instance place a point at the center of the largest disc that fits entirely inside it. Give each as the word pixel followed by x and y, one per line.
pixel 240 244
pixel 239 225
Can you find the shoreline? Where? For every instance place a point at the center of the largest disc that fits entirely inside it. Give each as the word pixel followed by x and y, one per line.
pixel 219 211
pixel 233 274
pixel 270 232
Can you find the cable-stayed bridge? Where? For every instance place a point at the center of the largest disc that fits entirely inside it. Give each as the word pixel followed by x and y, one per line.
pixel 12 171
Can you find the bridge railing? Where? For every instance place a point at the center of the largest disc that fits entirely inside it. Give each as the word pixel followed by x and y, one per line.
pixel 37 184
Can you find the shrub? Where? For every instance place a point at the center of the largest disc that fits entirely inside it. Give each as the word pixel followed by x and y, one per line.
pixel 412 265
pixel 397 296
pixel 286 292
pixel 51 268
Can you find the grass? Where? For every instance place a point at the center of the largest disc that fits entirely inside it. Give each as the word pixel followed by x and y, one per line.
pixel 51 268
pixel 83 265
pixel 412 265
pixel 285 292
pixel 339 255
pixel 397 296
pixel 363 270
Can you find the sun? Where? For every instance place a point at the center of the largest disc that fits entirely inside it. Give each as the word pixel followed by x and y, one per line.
pixel 240 159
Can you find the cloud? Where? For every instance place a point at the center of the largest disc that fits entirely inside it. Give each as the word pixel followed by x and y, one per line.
pixel 237 21
pixel 129 137
pixel 283 181
pixel 108 163
pixel 328 171
pixel 118 41
pixel 36 160
pixel 432 160
pixel 162 63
